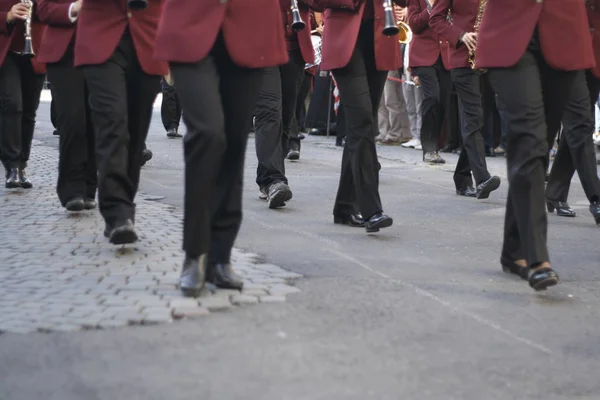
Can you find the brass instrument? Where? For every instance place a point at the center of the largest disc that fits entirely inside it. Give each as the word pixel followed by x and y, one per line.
pixel 480 11
pixel 137 4
pixel 28 48
pixel 391 28
pixel 404 33
pixel 297 25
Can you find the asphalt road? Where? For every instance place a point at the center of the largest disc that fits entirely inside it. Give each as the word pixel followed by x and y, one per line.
pixel 418 311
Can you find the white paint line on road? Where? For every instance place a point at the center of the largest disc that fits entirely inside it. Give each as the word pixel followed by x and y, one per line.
pixel 444 303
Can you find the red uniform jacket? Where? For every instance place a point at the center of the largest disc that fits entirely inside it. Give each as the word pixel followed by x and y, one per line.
pixel 508 26
pixel 426 46
pixel 13 35
pixel 464 14
pixel 101 25
pixel 60 31
pixel 593 7
pixel 341 32
pixel 252 31
pixel 304 41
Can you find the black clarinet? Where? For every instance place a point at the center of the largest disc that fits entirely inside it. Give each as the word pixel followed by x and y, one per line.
pixel 298 25
pixel 28 49
pixel 137 4
pixel 391 28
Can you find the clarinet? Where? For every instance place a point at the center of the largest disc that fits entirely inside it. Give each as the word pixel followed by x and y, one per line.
pixel 28 49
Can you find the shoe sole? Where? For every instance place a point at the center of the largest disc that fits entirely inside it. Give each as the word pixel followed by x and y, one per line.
pixel 295 156
pixel 75 207
pixel 386 223
pixel 493 185
pixel 13 185
pixel 279 198
pixel 123 237
pixel 545 284
pixel 191 292
pixel 26 185
pixel 340 221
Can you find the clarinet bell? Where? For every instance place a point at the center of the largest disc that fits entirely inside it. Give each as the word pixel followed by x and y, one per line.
pixel 298 25
pixel 391 29
pixel 28 49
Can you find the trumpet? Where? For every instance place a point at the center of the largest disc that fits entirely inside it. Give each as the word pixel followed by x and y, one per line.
pixel 28 48
pixel 298 25
pixel 137 4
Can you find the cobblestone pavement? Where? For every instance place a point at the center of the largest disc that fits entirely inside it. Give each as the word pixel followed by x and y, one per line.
pixel 59 273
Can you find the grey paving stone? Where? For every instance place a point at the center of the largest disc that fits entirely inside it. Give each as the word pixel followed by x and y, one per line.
pixel 241 299
pixel 215 303
pixel 272 299
pixel 282 290
pixel 190 312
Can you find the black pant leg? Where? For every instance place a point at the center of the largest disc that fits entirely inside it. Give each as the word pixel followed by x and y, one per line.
pixel 170 109
pixel 301 101
pixel 70 103
pixel 468 90
pixel 214 149
pixel 53 117
pixel 268 130
pixel 11 110
pixel 31 86
pixel 291 79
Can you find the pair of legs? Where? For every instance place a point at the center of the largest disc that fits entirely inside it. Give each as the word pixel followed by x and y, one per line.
pixel 77 177
pixel 214 149
pixel 20 89
pixel 394 126
pixel 121 97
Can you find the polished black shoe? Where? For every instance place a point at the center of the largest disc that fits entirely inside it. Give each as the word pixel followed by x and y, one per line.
pixel 486 187
pixel 75 205
pixel 173 133
pixel 510 267
pixel 595 210
pixel 377 222
pixel 301 136
pixel 193 276
pixel 293 155
pixel 354 220
pixel 12 179
pixel 542 278
pixel 90 204
pixel 25 182
pixel 562 208
pixel 56 132
pixel 222 276
pixel 467 191
pixel 146 156
pixel 278 194
pixel 123 233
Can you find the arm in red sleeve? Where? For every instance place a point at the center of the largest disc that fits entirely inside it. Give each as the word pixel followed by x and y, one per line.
pixel 418 19
pixel 438 21
pixel 52 13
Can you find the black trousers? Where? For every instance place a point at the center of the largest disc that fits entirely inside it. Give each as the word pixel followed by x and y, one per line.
pixel 303 92
pixel 469 89
pixel 529 95
pixel 53 118
pixel 576 147
pixel 361 86
pixel 436 86
pixel 77 175
pixel 121 97
pixel 170 109
pixel 452 121
pixel 275 132
pixel 214 148
pixel 20 89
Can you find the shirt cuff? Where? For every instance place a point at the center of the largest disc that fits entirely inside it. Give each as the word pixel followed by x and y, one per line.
pixel 72 18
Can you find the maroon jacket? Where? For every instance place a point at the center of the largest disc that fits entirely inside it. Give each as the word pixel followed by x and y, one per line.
pixel 60 31
pixel 593 9
pixel 101 25
pixel 464 14
pixel 12 36
pixel 508 26
pixel 341 32
pixel 426 46
pixel 252 31
pixel 303 37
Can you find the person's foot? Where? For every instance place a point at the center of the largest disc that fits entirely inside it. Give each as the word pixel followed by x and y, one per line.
pixel 223 277
pixel 76 204
pixel 354 220
pixel 433 157
pixel 24 179
pixel 467 191
pixel 486 187
pixel 90 204
pixel 279 194
pixel 173 133
pixel 294 152
pixel 500 151
pixel 193 276
pixel 12 179
pixel 123 233
pixel 378 221
pixel 146 156
pixel 411 144
pixel 542 276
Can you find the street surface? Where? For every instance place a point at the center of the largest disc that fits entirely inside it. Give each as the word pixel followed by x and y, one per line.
pixel 421 310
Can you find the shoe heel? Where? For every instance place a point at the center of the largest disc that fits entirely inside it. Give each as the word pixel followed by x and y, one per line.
pixel 550 207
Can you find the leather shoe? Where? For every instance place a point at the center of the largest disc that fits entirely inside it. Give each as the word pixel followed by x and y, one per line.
pixel 123 233
pixel 12 179
pixel 542 278
pixel 467 191
pixel 486 187
pixel 378 221
pixel 222 276
pixel 595 210
pixel 76 204
pixel 25 182
pixel 193 276
pixel 90 204
pixel 354 220
pixel 562 208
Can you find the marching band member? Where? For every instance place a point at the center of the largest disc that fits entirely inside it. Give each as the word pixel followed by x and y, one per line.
pixel 76 186
pixel 21 83
pixel 428 63
pixel 216 49
pixel 469 89
pixel 533 51
pixel 114 47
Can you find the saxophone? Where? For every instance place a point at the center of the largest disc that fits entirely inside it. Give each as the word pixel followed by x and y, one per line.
pixel 480 11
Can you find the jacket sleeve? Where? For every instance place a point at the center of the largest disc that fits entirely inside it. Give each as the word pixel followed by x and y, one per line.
pixel 438 21
pixel 5 27
pixel 418 19
pixel 52 13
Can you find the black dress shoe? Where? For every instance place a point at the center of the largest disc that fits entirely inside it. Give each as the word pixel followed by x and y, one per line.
pixel 354 220
pixel 25 182
pixel 75 205
pixel 489 152
pixel 562 208
pixel 90 204
pixel 510 267
pixel 467 191
pixel 293 155
pixel 193 276
pixel 486 187
pixel 173 133
pixel 12 179
pixel 543 278
pixel 146 156
pixel 222 276
pixel 301 136
pixel 123 233
pixel 595 210
pixel 377 222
